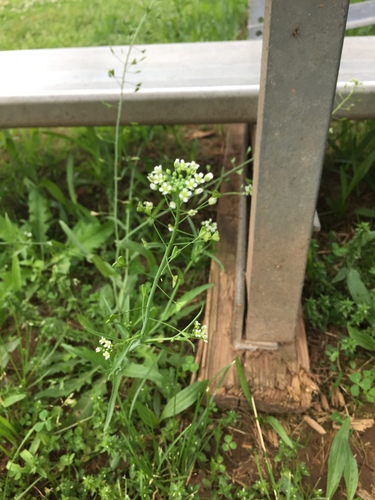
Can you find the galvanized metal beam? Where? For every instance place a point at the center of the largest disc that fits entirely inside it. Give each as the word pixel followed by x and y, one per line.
pixel 212 82
pixel 300 61
pixel 360 14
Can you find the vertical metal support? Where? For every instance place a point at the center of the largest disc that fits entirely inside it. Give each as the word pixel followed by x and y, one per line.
pixel 300 60
pixel 255 23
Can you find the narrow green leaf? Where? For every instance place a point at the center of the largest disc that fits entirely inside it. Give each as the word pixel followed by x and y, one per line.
pixel 4 433
pixel 87 354
pixel 191 294
pixel 279 429
pixel 39 213
pixel 141 250
pixel 9 231
pixel 112 401
pixel 351 475
pixel 70 178
pixel 341 275
pixel 357 288
pixel 361 170
pixel 147 416
pixel 103 267
pixel 362 338
pixel 4 424
pixel 11 400
pixel 338 457
pixel 54 191
pixel 134 370
pixel 28 457
pixel 87 325
pixel 16 273
pixel 7 431
pixel 365 212
pixel 183 399
pixel 72 237
pixel 243 382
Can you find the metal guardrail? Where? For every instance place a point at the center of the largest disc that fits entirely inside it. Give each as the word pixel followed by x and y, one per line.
pixel 360 15
pixel 212 82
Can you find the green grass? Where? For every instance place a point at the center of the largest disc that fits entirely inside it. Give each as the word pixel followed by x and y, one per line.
pixel 78 23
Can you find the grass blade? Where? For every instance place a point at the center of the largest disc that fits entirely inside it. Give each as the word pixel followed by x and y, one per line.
pixel 338 458
pixel 351 475
pixel 243 382
pixel 70 179
pixel 183 399
pixel 279 429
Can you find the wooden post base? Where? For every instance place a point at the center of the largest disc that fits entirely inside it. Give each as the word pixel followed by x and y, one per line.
pixel 279 379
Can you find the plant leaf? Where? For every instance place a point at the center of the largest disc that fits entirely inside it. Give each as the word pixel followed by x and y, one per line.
pixel 88 236
pixel 338 457
pixel 351 475
pixel 39 213
pixel 11 400
pixel 16 273
pixel 147 416
pixel 103 267
pixel 361 338
pixel 279 429
pixel 9 231
pixel 243 382
pixel 183 399
pixel 141 250
pixel 357 288
pixel 70 179
pixel 111 405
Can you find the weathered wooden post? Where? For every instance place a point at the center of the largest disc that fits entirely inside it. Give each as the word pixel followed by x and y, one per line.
pixel 301 53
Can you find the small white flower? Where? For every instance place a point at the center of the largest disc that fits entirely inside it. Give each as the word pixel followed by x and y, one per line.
pixel 194 165
pixel 198 191
pixel 212 201
pixel 191 184
pixel 209 225
pixel 192 212
pixel 165 188
pixel 209 231
pixel 98 349
pixel 249 189
pixel 172 205
pixel 199 177
pixel 153 186
pixel 209 176
pixel 200 331
pixel 106 355
pixel 185 195
pixel 170 227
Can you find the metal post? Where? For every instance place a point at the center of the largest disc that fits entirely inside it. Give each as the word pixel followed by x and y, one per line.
pixel 300 60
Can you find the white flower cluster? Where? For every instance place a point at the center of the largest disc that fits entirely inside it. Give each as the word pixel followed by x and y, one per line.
pixel 183 182
pixel 248 189
pixel 200 331
pixel 209 231
pixel 145 207
pixel 106 347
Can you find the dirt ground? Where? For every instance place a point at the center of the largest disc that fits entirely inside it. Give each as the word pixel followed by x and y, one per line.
pixel 314 429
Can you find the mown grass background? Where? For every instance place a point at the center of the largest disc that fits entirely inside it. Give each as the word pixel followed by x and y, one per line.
pixel 77 23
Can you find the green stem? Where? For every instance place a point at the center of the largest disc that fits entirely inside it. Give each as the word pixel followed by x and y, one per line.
pixel 118 124
pixel 160 270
